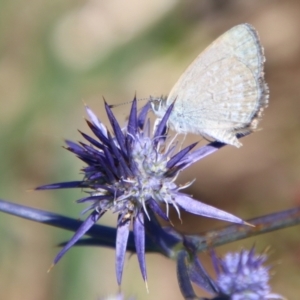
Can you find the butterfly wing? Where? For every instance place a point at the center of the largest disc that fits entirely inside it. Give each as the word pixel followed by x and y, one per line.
pixel 223 91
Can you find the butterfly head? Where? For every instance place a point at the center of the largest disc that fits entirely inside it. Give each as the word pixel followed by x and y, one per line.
pixel 158 105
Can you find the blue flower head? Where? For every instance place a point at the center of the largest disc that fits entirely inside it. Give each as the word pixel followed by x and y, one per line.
pixel 131 172
pixel 116 297
pixel 243 276
pixel 239 275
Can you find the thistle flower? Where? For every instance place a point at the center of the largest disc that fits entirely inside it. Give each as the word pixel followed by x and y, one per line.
pixel 243 276
pixel 240 276
pixel 116 297
pixel 131 172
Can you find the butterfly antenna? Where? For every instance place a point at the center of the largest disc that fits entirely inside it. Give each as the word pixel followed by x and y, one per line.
pixel 116 105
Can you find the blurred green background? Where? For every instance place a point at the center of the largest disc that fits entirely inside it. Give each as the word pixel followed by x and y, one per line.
pixel 54 55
